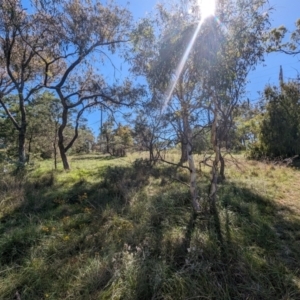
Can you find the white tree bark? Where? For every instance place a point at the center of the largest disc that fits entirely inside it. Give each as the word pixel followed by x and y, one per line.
pixel 192 167
pixel 215 168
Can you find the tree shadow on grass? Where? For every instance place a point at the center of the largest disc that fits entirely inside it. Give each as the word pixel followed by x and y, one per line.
pixel 260 243
pixel 93 240
pixel 249 249
pixel 55 226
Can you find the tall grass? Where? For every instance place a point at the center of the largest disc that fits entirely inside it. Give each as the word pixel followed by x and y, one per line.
pixel 120 229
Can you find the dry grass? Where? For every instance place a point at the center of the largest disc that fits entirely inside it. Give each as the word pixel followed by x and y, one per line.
pixel 279 183
pixel 114 228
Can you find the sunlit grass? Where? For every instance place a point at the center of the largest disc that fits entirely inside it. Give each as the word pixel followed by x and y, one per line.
pixel 113 228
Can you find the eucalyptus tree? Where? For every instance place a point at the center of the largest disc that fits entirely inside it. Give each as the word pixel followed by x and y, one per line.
pixel 174 79
pixel 241 32
pixel 20 65
pixel 277 42
pixel 158 60
pixel 83 36
pixel 122 140
pixel 151 132
pixel 44 113
pixel 106 136
pixel 202 85
pixel 60 46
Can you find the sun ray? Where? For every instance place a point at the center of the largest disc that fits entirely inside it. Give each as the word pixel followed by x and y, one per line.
pixel 207 9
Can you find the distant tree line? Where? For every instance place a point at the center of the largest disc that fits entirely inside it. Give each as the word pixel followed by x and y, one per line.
pixel 194 77
pixel 278 130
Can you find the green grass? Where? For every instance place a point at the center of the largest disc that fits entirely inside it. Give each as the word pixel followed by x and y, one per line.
pixel 114 228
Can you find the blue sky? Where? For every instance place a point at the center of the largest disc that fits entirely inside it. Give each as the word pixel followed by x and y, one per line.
pixel 285 12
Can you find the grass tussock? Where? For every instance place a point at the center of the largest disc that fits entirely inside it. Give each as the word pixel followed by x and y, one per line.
pixel 121 229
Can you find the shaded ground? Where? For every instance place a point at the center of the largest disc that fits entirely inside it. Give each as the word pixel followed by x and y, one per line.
pixel 127 232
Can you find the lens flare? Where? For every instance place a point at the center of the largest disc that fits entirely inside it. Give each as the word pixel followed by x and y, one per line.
pixel 207 8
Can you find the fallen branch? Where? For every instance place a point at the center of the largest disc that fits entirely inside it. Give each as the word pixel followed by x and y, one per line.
pixel 178 165
pixel 287 161
pixel 176 179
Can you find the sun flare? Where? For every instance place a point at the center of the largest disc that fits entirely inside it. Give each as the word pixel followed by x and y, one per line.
pixel 207 7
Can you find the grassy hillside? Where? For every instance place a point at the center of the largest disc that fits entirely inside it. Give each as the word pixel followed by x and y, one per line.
pixel 114 228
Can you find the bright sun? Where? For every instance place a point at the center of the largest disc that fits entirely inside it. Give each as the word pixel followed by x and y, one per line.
pixel 207 7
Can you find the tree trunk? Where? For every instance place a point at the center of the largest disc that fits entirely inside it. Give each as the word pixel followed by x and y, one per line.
pixel 55 155
pixel 107 144
pixel 193 181
pixel 63 156
pixel 21 147
pixel 151 153
pixel 184 150
pixel 192 167
pixel 214 172
pixel 29 148
pixel 21 129
pixel 61 146
pixel 214 182
pixel 151 158
pixel 22 132
pixel 54 146
pixel 222 166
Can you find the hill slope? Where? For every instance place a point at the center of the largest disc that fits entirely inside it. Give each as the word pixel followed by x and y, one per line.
pixel 115 228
